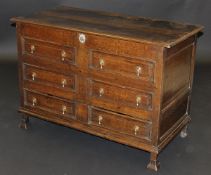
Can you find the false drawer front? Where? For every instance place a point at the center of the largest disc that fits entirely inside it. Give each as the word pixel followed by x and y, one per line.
pixel 49 34
pixel 119 123
pixel 126 67
pixel 35 101
pixel 52 52
pixel 120 46
pixel 42 76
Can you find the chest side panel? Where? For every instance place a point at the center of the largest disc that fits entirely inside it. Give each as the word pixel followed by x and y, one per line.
pixel 177 84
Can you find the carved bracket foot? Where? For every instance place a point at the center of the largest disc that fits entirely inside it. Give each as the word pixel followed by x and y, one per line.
pixel 24 123
pixel 154 164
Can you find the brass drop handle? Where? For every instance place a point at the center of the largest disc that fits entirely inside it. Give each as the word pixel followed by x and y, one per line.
pixel 136 129
pixel 101 92
pixel 64 109
pixel 100 118
pixel 32 48
pixel 33 75
pixel 138 70
pixel 138 100
pixel 64 82
pixel 102 63
pixel 34 101
pixel 63 55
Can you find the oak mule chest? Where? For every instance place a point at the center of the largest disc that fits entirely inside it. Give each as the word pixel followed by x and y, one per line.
pixel 123 78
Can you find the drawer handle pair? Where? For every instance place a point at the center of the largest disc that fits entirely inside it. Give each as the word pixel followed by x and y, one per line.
pixel 138 68
pixel 63 82
pixel 100 119
pixel 138 98
pixel 34 102
pixel 63 53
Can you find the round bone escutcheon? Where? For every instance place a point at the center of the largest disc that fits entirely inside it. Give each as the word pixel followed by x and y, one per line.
pixel 82 38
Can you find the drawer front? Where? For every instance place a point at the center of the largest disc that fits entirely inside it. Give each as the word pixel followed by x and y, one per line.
pixel 42 76
pixel 52 52
pixel 49 34
pixel 49 90
pixel 35 101
pixel 121 47
pixel 123 96
pixel 122 66
pixel 47 82
pixel 119 123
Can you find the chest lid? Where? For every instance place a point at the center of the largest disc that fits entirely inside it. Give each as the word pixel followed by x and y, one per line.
pixel 159 32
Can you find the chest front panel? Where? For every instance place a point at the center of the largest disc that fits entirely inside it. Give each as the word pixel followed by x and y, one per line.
pixel 79 71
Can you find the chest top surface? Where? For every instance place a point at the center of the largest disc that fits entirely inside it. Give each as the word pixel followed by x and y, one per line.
pixel 159 32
